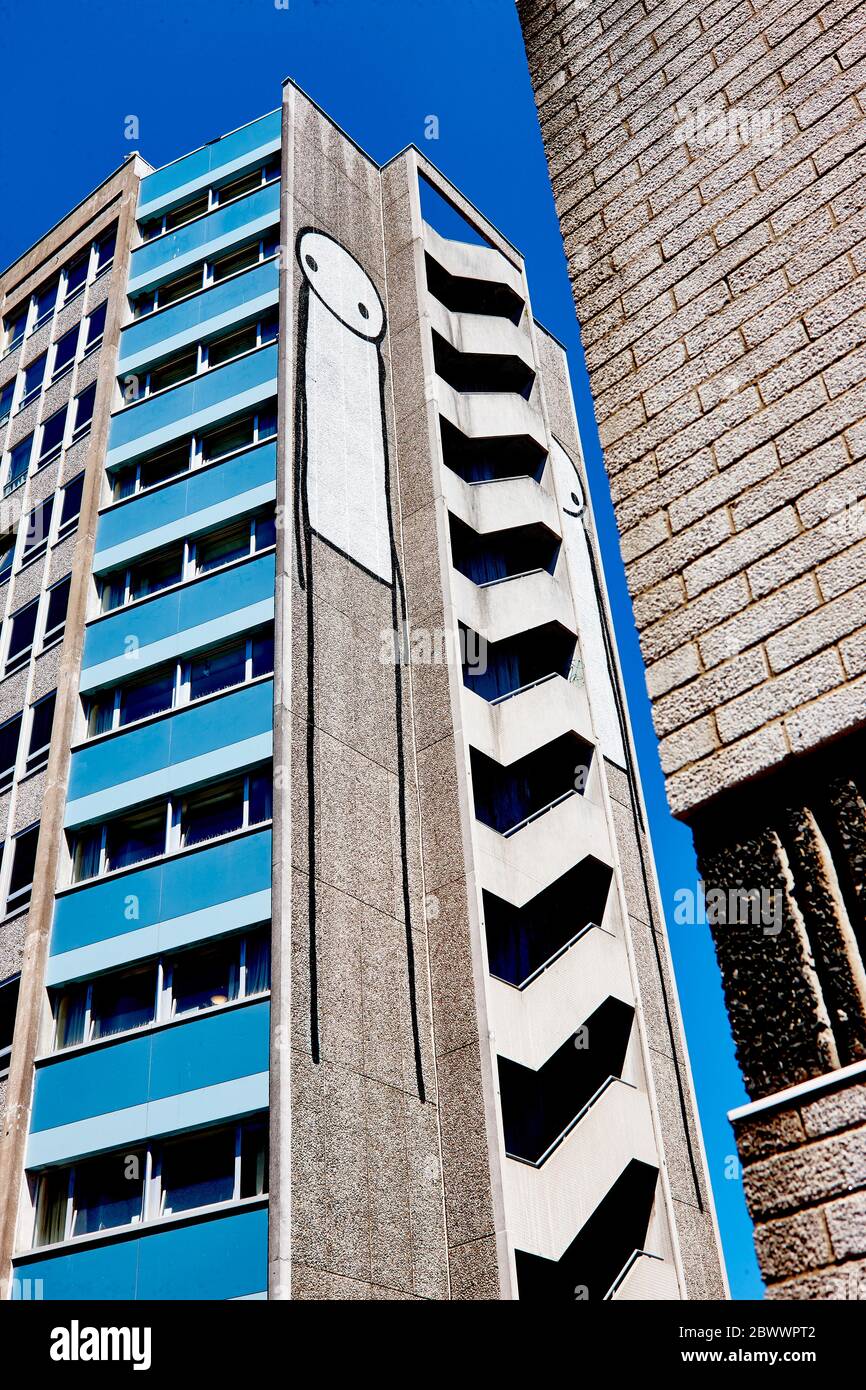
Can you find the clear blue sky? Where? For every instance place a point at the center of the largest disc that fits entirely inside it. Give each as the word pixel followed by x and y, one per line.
pixel 191 70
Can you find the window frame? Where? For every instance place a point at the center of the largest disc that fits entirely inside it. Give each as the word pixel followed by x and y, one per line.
pixel 37 759
pixel 18 899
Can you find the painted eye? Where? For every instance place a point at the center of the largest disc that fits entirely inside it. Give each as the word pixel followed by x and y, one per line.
pixel 363 311
pixel 312 262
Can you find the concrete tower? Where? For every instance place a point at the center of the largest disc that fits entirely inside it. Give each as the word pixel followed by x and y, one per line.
pixel 708 169
pixel 343 974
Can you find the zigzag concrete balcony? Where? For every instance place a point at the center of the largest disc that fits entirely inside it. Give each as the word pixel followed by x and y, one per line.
pixel 646 1278
pixel 604 1247
pixel 550 1203
pixel 503 610
pixel 490 415
pixel 481 334
pixel 499 504
pixel 485 459
pixel 464 262
pixel 528 1025
pixel 524 942
pixel 518 867
pixel 527 720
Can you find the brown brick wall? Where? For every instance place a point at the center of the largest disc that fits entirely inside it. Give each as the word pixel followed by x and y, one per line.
pixel 720 284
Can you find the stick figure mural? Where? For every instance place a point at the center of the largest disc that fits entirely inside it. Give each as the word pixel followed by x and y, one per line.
pixel 342 496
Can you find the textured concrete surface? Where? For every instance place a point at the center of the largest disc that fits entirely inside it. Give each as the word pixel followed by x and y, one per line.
pixel 707 165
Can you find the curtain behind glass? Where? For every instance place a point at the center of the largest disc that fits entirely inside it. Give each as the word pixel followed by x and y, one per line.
pixel 258 963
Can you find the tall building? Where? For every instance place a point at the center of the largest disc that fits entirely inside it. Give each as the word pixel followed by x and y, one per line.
pixel 707 163
pixel 330 909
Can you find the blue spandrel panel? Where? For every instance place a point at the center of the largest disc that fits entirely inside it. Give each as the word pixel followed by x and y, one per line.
pixel 205 238
pixel 211 162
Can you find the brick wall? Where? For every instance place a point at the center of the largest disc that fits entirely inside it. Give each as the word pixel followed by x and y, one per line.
pixel 719 273
pixel 805 1179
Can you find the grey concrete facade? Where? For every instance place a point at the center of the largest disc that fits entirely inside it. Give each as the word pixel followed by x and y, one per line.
pixel 707 167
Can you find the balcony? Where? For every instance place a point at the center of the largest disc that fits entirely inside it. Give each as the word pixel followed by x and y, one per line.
pixel 184 619
pixel 513 728
pixel 182 749
pixel 175 902
pixel 218 160
pixel 197 404
pixel 203 239
pixel 162 1080
pixel 184 1260
pixel 202 315
pixel 469 278
pixel 196 501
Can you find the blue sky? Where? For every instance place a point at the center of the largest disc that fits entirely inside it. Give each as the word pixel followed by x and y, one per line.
pixel 190 70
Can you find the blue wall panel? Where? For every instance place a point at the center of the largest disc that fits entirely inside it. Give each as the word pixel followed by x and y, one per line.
pixel 203 497
pixel 205 238
pixel 239 149
pixel 128 642
pixel 217 1258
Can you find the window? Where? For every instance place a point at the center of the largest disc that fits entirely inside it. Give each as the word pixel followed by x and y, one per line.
pixel 177 369
pixel 45 301
pixel 23 632
pixel 84 409
pixel 8 1008
pixel 178 823
pixel 33 378
pixel 7 394
pixel 15 325
pixel 55 617
pixel 70 508
pixel 150 577
pixel 23 865
pixel 197 1172
pixel 53 432
pixel 36 533
pixel 231 345
pixel 122 1002
pixel 10 733
pixel 238 434
pixel 222 547
pixel 219 670
pixel 76 276
pixel 105 251
pixel 173 290
pixel 64 352
pixel 205 979
pixel 7 555
pixel 107 1192
pixel 41 724
pixel 95 327
pixel 153 694
pixel 179 217
pixel 158 468
pixel 19 464
pixel 247 183
pixel 235 262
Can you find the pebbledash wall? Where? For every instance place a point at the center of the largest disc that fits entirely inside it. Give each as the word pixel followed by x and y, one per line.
pixel 344 974
pixel 707 162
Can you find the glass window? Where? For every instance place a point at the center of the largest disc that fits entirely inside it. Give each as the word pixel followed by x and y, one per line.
pixel 40 731
pixel 76 275
pixel 178 217
pixel 107 1192
pixel 198 1171
pixel 231 345
pixel 9 735
pixel 143 304
pixel 100 714
pixel 269 328
pixel 204 979
pixel 237 261
pixel 23 865
pixel 257 968
pixel 222 547
pixel 151 229
pixel 113 591
pixel 33 378
pixel 86 855
pixel 180 288
pixel 7 393
pixel 7 554
pixel 135 838
pixel 254 1160
pixel 169 464
pixel 65 349
pixel 53 432
pixel 156 575
pixel 70 1017
pixel 266 423
pixel 142 698
pixel 58 602
pixel 263 655
pixel 84 408
pixel 19 463
pixel 122 1002
pixel 178 369
pixel 71 506
pixel 206 815
pixel 23 631
pixel 260 797
pixel 217 671
pixel 238 435
pixel 45 302
pixel 105 251
pixel 38 526
pixel 15 324
pixel 8 1009
pixel 96 326
pixel 52 1206
pixel 266 532
pixel 247 183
